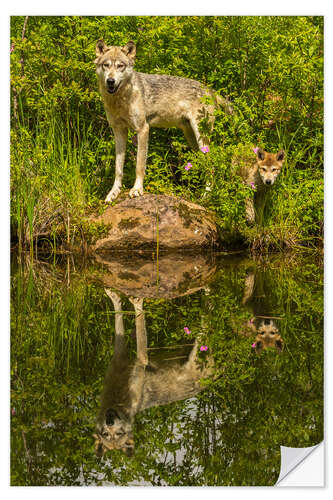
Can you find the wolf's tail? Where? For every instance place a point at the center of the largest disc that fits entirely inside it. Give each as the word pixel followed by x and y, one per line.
pixel 225 104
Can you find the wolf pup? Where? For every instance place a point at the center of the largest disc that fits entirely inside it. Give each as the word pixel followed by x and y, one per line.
pixel 139 101
pixel 260 176
pixel 266 330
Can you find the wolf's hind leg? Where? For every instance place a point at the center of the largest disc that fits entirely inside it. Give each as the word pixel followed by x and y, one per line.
pixel 195 129
pixel 190 137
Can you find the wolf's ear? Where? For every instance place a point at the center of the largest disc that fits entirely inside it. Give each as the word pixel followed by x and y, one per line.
pixel 280 155
pixel 101 47
pixel 260 154
pixel 130 50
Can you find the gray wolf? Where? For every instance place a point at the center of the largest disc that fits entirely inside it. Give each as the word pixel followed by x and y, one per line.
pixel 138 101
pixel 131 386
pixel 260 176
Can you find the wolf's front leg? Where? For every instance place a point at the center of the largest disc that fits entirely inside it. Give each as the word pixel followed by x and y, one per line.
pixel 143 136
pixel 249 211
pixel 120 348
pixel 140 328
pixel 248 287
pixel 120 135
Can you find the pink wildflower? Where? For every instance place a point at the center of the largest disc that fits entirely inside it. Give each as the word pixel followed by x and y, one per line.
pixel 255 150
pixel 188 166
pixel 12 48
pixel 204 348
pixel 253 186
pixel 205 149
pixel 187 330
pixel 253 345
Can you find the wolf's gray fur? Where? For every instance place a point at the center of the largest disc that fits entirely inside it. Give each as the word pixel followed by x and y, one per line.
pixel 131 386
pixel 139 101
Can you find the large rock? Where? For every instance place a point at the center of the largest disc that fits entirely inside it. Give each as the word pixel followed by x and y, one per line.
pixel 152 221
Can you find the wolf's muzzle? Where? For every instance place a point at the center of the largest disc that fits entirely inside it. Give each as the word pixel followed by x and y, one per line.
pixel 110 85
pixel 110 416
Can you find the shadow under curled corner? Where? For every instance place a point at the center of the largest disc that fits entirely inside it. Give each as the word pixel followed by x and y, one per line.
pixel 292 458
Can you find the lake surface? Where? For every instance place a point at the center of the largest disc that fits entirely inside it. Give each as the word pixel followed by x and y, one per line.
pixel 184 370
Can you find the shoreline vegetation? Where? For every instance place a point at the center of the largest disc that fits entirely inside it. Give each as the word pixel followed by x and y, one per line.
pixel 62 149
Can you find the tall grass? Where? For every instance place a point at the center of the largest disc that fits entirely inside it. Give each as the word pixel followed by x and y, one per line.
pixel 52 186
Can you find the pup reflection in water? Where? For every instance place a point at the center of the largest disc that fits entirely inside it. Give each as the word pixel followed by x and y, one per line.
pixel 266 330
pixel 131 386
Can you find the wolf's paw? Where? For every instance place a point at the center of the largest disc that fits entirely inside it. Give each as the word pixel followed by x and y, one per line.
pixel 134 192
pixel 250 220
pixel 113 194
pixel 114 297
pixel 137 303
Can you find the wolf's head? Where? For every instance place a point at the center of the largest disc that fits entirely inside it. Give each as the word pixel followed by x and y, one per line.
pixel 114 65
pixel 114 432
pixel 269 165
pixel 268 336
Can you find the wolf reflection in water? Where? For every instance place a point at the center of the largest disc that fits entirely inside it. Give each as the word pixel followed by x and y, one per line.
pixel 132 386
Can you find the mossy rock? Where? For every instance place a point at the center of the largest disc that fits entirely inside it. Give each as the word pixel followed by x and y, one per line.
pixel 156 221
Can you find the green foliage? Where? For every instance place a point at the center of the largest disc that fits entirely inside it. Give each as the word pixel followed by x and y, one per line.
pixel 271 67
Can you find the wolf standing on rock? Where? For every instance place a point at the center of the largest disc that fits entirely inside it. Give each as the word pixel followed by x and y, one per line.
pixel 139 101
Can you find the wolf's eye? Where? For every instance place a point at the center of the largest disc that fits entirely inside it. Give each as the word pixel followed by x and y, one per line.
pixel 264 169
pixel 119 434
pixel 273 169
pixel 120 66
pixel 106 65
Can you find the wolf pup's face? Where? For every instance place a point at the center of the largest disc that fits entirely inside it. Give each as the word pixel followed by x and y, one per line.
pixel 114 433
pixel 114 65
pixel 269 165
pixel 268 336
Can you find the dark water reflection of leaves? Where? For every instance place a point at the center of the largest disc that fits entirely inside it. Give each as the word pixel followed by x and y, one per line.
pixel 62 331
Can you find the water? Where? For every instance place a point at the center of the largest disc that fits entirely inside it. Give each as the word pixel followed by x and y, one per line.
pixel 109 385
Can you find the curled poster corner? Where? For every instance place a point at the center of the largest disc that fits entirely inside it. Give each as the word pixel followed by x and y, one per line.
pixel 291 458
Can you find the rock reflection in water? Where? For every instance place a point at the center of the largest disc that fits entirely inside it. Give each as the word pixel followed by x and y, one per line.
pixel 172 275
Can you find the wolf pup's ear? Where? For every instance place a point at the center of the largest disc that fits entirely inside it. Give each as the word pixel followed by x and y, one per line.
pixel 101 47
pixel 280 155
pixel 260 154
pixel 130 50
